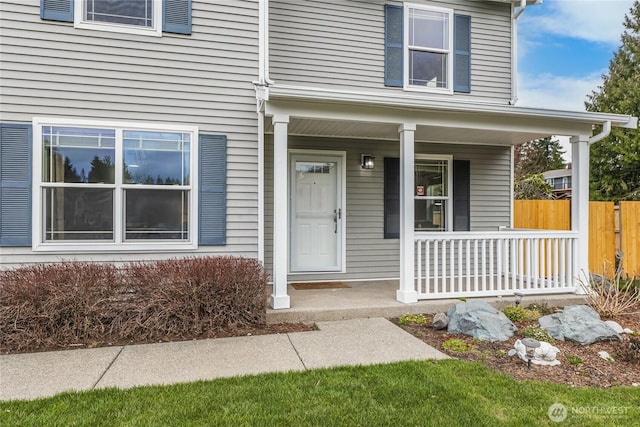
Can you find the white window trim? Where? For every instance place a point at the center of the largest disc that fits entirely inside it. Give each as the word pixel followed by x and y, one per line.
pixel 406 86
pixel 156 30
pixel 449 198
pixel 118 245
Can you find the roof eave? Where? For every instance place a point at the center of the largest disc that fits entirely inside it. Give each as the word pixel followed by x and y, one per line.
pixel 449 104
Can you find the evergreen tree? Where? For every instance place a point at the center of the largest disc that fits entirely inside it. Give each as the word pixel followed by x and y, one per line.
pixel 70 172
pixel 102 170
pixel 615 161
pixel 537 156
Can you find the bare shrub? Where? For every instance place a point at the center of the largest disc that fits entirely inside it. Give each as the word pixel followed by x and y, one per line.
pixel 629 351
pixel 77 303
pixel 54 305
pixel 615 297
pixel 193 295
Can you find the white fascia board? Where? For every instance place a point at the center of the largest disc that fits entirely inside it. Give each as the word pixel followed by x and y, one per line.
pixel 449 104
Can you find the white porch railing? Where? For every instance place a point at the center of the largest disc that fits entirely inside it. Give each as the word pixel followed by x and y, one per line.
pixel 470 264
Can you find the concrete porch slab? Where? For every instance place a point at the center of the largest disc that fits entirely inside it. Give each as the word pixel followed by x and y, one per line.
pixel 378 299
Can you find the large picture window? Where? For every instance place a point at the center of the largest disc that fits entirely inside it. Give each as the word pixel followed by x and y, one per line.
pixel 116 185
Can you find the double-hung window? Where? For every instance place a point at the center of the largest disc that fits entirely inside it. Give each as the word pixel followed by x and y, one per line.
pixel 427 49
pixel 130 16
pixel 145 17
pixel 428 56
pixel 432 202
pixel 114 185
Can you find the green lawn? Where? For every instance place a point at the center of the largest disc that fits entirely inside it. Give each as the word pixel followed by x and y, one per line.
pixel 445 393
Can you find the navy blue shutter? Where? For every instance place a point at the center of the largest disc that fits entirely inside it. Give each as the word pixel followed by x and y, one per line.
pixel 213 190
pixel 391 198
pixel 176 16
pixel 461 195
pixel 57 10
pixel 393 46
pixel 462 53
pixel 15 185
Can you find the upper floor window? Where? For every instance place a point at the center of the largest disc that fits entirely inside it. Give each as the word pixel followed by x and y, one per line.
pixel 145 17
pixel 427 49
pixel 113 185
pixel 130 16
pixel 429 62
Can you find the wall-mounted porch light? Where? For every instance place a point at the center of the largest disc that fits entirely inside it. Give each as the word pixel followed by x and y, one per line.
pixel 366 161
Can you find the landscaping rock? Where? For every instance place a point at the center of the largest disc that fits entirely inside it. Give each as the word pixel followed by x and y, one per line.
pixel 578 323
pixel 440 321
pixel 615 326
pixel 606 356
pixel 599 281
pixel 480 320
pixel 627 331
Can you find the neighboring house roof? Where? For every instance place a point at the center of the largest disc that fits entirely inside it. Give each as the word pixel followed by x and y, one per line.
pixel 557 173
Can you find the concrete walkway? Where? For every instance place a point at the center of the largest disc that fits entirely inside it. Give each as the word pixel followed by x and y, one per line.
pixel 336 343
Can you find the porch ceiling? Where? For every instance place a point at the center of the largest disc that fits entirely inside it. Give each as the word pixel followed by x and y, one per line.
pixel 389 131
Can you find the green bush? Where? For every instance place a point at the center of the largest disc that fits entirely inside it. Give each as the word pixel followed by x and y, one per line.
pixel 457 345
pixel 79 303
pixel 543 309
pixel 412 319
pixel 574 360
pixel 520 314
pixel 538 333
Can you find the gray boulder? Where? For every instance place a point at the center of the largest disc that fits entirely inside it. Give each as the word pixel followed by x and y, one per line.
pixel 480 320
pixel 578 323
pixel 440 321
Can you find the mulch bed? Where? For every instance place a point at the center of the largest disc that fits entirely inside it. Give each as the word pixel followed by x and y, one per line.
pixel 279 328
pixel 592 372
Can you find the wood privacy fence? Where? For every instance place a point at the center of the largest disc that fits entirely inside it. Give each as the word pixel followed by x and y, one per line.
pixel 612 229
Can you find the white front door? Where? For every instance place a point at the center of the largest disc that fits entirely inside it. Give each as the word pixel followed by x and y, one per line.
pixel 316 230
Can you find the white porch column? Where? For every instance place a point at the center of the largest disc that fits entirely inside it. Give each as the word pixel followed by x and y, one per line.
pixel 279 298
pixel 580 206
pixel 407 292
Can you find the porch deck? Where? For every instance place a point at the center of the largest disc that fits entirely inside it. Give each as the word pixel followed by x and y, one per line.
pixel 378 299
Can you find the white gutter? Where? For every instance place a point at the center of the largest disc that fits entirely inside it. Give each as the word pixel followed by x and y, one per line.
pixel 606 130
pixel 262 94
pixel 523 6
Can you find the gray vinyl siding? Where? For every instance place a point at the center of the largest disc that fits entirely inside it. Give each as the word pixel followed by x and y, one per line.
pixel 50 69
pixel 339 44
pixel 369 255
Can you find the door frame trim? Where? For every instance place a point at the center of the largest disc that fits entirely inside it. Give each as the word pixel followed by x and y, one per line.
pixel 342 183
